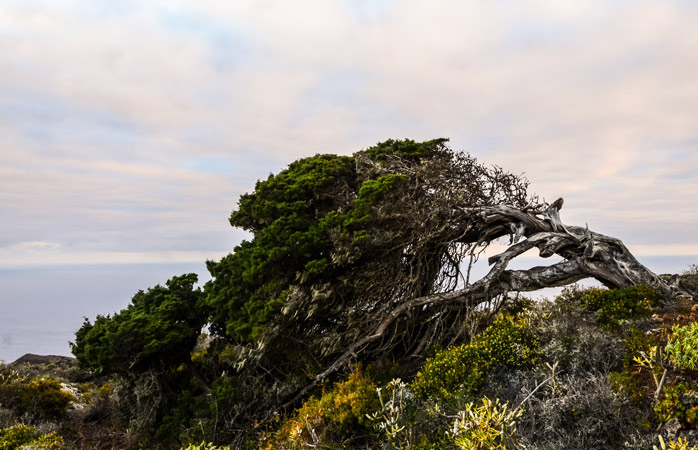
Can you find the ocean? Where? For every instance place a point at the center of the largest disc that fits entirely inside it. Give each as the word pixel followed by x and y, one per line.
pixel 42 307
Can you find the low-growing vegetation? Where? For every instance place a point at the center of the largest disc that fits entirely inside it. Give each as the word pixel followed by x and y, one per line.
pixel 537 375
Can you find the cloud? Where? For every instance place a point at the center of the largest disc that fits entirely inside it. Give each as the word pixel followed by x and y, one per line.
pixel 131 127
pixel 14 257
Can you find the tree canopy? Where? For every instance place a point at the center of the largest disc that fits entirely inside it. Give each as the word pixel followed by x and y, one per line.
pixel 352 259
pixel 157 330
pixel 338 242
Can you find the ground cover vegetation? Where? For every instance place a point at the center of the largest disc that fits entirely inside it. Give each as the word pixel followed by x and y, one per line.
pixel 350 319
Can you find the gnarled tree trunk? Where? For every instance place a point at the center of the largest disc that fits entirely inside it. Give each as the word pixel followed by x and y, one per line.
pixel 586 254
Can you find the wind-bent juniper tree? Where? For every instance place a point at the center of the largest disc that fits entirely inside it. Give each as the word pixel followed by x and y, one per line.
pixel 368 257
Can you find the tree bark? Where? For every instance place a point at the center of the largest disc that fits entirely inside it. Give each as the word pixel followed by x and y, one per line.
pixel 586 255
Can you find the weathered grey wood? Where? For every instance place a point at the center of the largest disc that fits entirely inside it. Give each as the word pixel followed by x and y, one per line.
pixel 586 255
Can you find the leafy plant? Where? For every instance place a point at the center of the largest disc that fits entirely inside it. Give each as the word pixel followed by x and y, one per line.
pixel 205 446
pixel 682 347
pixel 656 362
pixel 679 402
pixel 461 369
pixel 394 420
pixel 40 398
pixel 615 306
pixel 626 383
pixel 157 330
pixel 486 426
pixel 26 437
pixel 680 444
pixel 345 407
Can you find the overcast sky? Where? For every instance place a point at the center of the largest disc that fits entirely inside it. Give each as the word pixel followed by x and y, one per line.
pixel 128 129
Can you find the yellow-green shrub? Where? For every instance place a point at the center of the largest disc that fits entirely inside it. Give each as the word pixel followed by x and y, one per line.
pixel 462 369
pixel 39 397
pixel 23 436
pixel 615 306
pixel 682 347
pixel 205 446
pixel 680 444
pixel 346 405
pixel 486 426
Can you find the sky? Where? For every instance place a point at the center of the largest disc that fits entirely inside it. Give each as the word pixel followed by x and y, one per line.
pixel 129 129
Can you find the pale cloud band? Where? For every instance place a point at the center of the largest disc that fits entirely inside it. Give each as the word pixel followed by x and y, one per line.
pixel 48 254
pixel 129 129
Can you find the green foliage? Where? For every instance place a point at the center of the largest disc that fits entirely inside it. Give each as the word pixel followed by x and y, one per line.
pixel 297 217
pixel 26 437
pixel 205 446
pixel 186 420
pixel 682 347
pixel 654 360
pixel 486 426
pixel 637 342
pixel 289 214
pixel 395 419
pixel 615 306
pixel 680 444
pixel 461 369
pixel 679 402
pixel 624 382
pixel 40 398
pixel 344 408
pixel 157 330
pixel 407 149
pixel 369 193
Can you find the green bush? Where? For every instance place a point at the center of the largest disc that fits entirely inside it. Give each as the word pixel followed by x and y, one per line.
pixel 615 306
pixel 395 420
pixel 204 446
pixel 41 398
pixel 679 402
pixel 682 347
pixel 627 384
pixel 24 436
pixel 336 412
pixel 461 369
pixel 487 426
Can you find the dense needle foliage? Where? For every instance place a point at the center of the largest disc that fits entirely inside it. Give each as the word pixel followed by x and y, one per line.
pixel 156 331
pixel 338 241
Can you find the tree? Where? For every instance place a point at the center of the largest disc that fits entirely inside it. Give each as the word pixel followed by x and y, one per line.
pixel 156 331
pixel 147 346
pixel 368 257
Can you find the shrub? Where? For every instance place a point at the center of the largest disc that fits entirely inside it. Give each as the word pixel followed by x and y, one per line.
pixel 682 347
pixel 624 382
pixel 204 446
pixel 461 369
pixel 680 402
pixel 39 397
pixel 616 306
pixel 24 436
pixel 395 419
pixel 488 426
pixel 335 412
pixel 636 342
pixel 580 413
pixel 680 444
